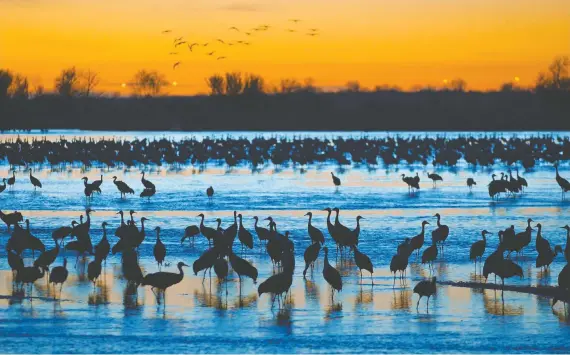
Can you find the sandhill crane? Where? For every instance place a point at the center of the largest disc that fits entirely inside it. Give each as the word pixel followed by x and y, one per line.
pixel 262 233
pixel 563 284
pixel 103 247
pixel 545 259
pixel 147 184
pixel 12 179
pixel 244 235
pixel 35 181
pixel 399 263
pixel 162 280
pixel 206 261
pixel 207 232
pixel 331 275
pixel 522 181
pixel 58 275
pixel 478 248
pixel 190 232
pixel 221 269
pixel 314 233
pixel 242 267
pixel 440 234
pixel 523 239
pixel 210 192
pixel 425 288
pixel 363 263
pixel 148 193
pixel 470 183
pixel 94 270
pixel 434 178
pixel 277 284
pixel 542 244
pixel 29 275
pixel 562 182
pixel 97 184
pixel 175 65
pixel 335 179
pixel 311 254
pixel 123 188
pixel 413 183
pixel 417 242
pixel 89 188
pixel 47 257
pixel 159 249
pixel 429 255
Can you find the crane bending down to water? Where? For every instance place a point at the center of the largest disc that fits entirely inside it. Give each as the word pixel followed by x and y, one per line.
pixel 123 188
pixel 425 288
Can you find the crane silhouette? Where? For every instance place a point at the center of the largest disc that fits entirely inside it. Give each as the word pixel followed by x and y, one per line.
pixel 478 248
pixel 163 280
pixel 123 188
pixel 434 178
pixel 417 242
pixel 210 192
pixel 35 181
pixel 147 184
pixel 314 233
pixel 470 183
pixel 12 179
pixel 335 179
pixel 425 288
pixel 244 235
pixel 94 270
pixel 159 249
pixel 562 182
pixel 331 275
pixel 363 262
pixel 440 234
pixel 311 254
pixel 58 275
pixel 103 248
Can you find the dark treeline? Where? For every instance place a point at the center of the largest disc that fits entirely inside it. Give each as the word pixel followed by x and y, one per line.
pixel 384 110
pixel 240 101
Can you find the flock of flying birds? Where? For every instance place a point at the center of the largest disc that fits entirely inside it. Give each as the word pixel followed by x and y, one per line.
pixel 192 47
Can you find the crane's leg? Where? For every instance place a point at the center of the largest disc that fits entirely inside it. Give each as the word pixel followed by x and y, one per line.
pixel 418 304
pixel 427 304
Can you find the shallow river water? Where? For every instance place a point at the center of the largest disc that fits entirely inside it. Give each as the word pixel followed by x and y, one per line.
pixel 201 317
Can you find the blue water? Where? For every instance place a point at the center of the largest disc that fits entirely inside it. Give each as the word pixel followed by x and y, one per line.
pixel 200 317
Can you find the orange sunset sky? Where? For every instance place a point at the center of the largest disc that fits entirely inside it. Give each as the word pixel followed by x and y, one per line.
pixel 403 43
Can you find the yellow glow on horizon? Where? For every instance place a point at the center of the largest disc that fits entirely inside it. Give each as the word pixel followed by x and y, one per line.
pixel 517 79
pixel 402 43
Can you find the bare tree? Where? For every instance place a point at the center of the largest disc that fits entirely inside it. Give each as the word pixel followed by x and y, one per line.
pixel 557 76
pixel 216 84
pixel 39 91
pixel 353 86
pixel 309 85
pixel 19 88
pixel 66 84
pixel 288 86
pixel 148 83
pixel 89 79
pixel 507 87
pixel 458 85
pixel 5 81
pixel 254 85
pixel 234 83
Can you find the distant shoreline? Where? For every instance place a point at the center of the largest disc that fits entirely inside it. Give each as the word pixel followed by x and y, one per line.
pixel 387 111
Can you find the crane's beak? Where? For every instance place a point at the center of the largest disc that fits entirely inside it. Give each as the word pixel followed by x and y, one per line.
pixel 185 265
pixel 267 219
pixel 306 214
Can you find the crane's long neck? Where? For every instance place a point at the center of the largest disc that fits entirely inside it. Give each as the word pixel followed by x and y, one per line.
pixel 336 217
pixel 438 221
pixel 423 230
pixel 157 235
pixel 202 222
pixel 104 232
pixel 85 182
pixel 240 222
pixel 142 225
pixel 255 224
pixel 329 217
pixel 122 219
pixel 484 237
pixel 181 272
pixel 310 218
pixel 132 218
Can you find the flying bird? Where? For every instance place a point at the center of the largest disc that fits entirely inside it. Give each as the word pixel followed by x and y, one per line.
pixel 179 43
pixel 176 65
pixel 295 20
pixel 221 41
pixel 247 33
pixel 190 46
pixel 234 28
pixel 166 31
pixel 290 30
pixel 173 53
pixel 220 58
pixel 211 53
pixel 312 34
pixel 178 39
pixel 313 29
pixel 205 44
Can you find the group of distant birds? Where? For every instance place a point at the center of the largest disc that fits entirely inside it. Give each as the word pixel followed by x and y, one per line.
pixel 300 152
pixel 181 41
pixel 507 184
pixel 279 247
